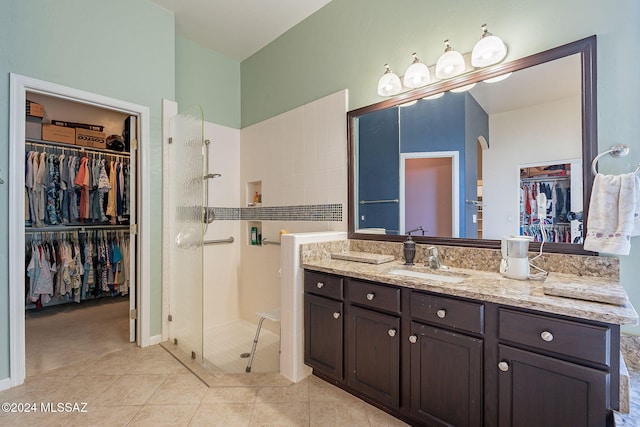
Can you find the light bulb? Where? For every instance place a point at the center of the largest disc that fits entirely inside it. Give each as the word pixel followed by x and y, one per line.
pixel 389 84
pixel 450 63
pixel 489 50
pixel 417 74
pixel 463 88
pixel 497 79
pixel 436 96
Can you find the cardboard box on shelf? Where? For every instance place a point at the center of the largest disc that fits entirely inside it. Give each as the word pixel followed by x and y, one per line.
pixel 58 134
pixel 33 127
pixel 34 109
pixel 91 138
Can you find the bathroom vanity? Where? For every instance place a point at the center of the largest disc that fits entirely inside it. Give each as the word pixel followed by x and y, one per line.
pixel 484 350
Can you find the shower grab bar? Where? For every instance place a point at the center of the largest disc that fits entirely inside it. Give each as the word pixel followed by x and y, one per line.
pixel 366 202
pixel 265 241
pixel 229 239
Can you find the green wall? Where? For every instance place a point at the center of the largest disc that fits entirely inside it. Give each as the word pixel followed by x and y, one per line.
pixel 346 43
pixel 118 48
pixel 207 78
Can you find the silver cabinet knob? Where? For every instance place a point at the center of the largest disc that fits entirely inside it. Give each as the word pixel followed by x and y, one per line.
pixel 336 315
pixel 392 332
pixel 371 296
pixel 503 366
pixel 413 339
pixel 319 285
pixel 547 336
pixel 441 313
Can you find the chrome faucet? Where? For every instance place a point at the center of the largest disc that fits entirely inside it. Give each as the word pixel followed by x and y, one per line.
pixel 433 261
pixel 419 228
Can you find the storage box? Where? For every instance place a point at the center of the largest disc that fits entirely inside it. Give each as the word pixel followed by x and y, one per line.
pixel 58 134
pixel 34 109
pixel 91 138
pixel 33 127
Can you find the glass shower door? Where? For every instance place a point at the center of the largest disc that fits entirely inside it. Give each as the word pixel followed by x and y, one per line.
pixel 186 211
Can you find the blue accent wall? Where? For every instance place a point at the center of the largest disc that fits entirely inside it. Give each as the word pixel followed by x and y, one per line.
pixel 476 124
pixel 378 168
pixel 439 125
pixel 450 123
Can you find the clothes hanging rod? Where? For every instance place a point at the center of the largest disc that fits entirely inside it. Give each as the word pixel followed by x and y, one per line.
pixel 266 241
pixel 80 228
pixel 50 144
pixel 229 239
pixel 546 178
pixel 366 202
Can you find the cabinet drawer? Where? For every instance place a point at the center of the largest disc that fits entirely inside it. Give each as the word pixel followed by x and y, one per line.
pixel 457 314
pixel 574 339
pixel 374 296
pixel 323 284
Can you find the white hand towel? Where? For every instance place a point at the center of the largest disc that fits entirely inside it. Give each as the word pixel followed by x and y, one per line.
pixel 614 213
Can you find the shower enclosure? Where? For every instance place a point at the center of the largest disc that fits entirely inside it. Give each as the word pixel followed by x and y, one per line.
pixel 205 299
pixel 187 226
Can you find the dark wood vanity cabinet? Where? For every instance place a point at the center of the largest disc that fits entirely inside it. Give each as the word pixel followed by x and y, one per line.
pixel 554 371
pixel 323 324
pixel 373 341
pixel 537 390
pixel 446 361
pixel 446 377
pixel 436 360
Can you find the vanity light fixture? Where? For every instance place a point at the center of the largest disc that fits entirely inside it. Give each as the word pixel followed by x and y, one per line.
pixel 463 88
pixel 408 104
pixel 435 96
pixel 498 78
pixel 450 63
pixel 389 84
pixel 417 75
pixel 489 50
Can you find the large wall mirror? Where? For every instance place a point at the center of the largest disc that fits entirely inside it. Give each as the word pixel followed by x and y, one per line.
pixel 463 166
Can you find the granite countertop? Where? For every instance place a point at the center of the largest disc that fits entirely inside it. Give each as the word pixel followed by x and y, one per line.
pixel 491 287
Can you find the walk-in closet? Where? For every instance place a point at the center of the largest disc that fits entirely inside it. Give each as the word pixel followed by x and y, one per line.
pixel 79 217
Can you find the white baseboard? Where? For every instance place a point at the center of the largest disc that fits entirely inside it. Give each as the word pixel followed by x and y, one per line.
pixel 5 384
pixel 156 339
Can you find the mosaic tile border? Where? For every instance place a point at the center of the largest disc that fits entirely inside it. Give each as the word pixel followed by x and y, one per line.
pixel 327 212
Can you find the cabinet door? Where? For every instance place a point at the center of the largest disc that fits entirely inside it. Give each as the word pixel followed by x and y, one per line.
pixel 446 377
pixel 536 390
pixel 323 333
pixel 374 355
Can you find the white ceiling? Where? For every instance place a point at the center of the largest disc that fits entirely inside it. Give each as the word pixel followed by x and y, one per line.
pixel 237 28
pixel 535 85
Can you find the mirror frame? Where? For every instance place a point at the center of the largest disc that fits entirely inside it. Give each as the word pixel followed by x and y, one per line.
pixel 586 48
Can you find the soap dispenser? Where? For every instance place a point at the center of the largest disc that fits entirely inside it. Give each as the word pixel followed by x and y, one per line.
pixel 409 250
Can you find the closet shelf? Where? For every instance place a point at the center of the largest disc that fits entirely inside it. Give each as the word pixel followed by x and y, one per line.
pixel 76 147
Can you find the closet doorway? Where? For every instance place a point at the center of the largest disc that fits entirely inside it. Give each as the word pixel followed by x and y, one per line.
pixel 128 223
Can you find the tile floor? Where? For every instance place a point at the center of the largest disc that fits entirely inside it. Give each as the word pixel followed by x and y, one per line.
pixel 123 385
pixel 149 387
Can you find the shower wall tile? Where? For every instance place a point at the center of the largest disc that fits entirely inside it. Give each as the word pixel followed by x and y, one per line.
pixel 300 158
pixel 222 261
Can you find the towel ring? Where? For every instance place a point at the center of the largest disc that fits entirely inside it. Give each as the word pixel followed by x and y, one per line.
pixel 618 150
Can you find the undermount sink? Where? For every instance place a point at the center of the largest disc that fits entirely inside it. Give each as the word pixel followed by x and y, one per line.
pixel 449 278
